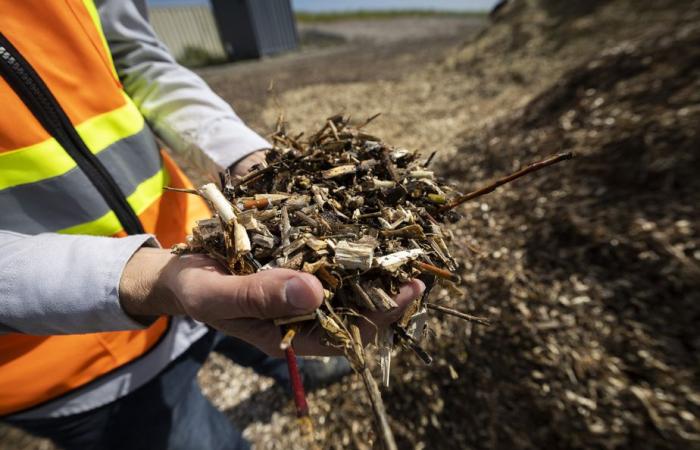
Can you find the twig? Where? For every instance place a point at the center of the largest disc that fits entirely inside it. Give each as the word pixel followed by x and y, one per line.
pixel 219 202
pixel 302 407
pixel 294 319
pixel 251 175
pixel 389 165
pixel 430 159
pixel 287 339
pixel 409 341
pixel 334 130
pixel 186 191
pixel 367 122
pixel 492 187
pixel 260 203
pixel 437 271
pixel 375 397
pixel 461 315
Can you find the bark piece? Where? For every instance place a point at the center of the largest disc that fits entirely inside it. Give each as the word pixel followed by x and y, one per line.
pixel 354 256
pixel 338 171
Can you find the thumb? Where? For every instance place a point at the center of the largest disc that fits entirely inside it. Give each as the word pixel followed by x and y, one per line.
pixel 271 294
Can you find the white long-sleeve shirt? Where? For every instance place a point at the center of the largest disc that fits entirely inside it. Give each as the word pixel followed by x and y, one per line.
pixel 59 284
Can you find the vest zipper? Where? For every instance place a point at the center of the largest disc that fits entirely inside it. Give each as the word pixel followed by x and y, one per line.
pixel 32 90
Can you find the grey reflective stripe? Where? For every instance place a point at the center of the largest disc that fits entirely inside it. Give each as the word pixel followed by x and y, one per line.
pixel 70 199
pixel 132 160
pixel 182 334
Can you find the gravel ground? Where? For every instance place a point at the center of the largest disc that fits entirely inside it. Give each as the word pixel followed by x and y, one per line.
pixel 590 271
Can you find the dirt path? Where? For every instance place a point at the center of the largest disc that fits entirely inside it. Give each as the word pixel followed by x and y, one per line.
pixel 389 31
pixel 381 50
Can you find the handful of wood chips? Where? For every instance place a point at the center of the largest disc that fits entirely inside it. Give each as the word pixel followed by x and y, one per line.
pixel 362 216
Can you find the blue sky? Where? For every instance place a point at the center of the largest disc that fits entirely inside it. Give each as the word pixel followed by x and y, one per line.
pixel 345 5
pixel 339 5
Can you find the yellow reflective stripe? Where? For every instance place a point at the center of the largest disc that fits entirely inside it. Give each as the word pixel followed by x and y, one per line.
pixel 36 162
pixel 145 194
pixel 95 16
pixel 47 159
pixel 101 131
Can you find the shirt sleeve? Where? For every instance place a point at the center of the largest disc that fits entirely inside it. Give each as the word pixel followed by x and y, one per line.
pixel 63 284
pixel 178 105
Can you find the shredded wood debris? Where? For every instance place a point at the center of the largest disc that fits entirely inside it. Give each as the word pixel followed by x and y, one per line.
pixel 362 216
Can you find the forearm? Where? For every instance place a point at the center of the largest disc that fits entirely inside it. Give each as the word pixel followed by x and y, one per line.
pixel 62 284
pixel 179 106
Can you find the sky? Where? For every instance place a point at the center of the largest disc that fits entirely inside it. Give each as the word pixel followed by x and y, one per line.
pixel 340 5
pixel 347 5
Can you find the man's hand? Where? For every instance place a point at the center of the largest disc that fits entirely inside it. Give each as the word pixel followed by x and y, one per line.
pixel 155 283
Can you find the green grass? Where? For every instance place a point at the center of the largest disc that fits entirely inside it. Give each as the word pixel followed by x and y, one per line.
pixel 308 17
pixel 193 56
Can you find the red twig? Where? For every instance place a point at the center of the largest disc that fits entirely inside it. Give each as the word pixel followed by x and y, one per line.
pixel 300 403
pixel 297 385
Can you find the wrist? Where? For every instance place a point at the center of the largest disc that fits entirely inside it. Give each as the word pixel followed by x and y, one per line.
pixel 145 288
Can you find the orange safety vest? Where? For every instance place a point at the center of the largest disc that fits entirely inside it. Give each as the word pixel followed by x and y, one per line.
pixel 76 154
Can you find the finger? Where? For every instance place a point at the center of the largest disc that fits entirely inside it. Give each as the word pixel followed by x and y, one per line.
pixel 308 340
pixel 267 336
pixel 263 334
pixel 407 293
pixel 378 320
pixel 266 295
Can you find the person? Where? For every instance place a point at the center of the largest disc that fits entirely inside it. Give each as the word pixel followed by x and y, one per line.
pixel 102 329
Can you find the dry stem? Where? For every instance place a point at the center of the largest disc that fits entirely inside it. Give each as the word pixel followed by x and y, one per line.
pixel 534 167
pixel 375 397
pixel 461 315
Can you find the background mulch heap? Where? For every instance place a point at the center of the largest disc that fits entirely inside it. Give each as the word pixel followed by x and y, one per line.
pixel 589 272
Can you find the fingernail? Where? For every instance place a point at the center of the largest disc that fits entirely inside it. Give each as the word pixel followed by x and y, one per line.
pixel 300 294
